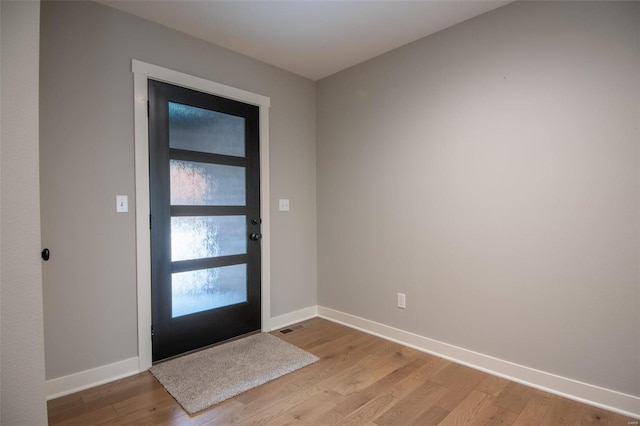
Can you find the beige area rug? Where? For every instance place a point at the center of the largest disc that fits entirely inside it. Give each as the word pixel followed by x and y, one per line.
pixel 202 379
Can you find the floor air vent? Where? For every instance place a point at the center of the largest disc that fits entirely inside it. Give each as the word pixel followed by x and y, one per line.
pixel 291 329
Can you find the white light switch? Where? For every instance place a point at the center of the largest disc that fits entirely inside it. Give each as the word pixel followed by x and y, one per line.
pixel 122 203
pixel 283 204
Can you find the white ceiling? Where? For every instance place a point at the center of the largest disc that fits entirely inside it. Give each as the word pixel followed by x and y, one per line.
pixel 311 38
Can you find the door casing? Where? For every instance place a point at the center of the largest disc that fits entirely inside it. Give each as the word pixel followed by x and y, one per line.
pixel 142 72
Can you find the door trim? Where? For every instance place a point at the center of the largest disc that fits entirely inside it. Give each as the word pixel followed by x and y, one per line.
pixel 142 71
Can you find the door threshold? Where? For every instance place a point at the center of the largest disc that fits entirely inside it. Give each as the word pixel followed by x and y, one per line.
pixel 242 336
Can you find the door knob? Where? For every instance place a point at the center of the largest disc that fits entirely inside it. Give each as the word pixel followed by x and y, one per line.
pixel 46 254
pixel 255 237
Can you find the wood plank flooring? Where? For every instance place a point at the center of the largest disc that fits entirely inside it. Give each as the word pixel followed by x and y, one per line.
pixel 359 380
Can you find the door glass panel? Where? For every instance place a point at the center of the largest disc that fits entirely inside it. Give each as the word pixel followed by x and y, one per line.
pixel 203 130
pixel 206 184
pixel 205 289
pixel 195 237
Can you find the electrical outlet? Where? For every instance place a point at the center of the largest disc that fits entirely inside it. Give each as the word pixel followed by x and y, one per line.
pixel 402 300
pixel 283 204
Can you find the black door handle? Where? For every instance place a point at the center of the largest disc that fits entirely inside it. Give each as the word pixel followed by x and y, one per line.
pixel 255 237
pixel 46 254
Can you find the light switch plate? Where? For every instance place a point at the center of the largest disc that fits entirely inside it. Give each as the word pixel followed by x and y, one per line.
pixel 122 203
pixel 283 204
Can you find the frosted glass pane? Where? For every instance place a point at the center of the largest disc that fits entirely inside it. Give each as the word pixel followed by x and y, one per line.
pixel 197 291
pixel 196 237
pixel 206 184
pixel 203 130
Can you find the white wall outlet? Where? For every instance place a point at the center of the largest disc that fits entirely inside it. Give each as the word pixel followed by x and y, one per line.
pixel 283 204
pixel 402 300
pixel 122 203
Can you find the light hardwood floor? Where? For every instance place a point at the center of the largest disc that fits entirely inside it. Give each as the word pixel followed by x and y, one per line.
pixel 360 379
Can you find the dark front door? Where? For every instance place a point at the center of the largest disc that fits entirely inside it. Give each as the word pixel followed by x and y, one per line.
pixel 205 218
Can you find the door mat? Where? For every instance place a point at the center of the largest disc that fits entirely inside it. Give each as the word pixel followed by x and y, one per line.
pixel 202 379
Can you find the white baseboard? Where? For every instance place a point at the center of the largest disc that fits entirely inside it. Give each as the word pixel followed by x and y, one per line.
pixel 293 317
pixel 82 380
pixel 607 399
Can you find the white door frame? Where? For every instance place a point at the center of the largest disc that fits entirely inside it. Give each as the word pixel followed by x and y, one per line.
pixel 142 72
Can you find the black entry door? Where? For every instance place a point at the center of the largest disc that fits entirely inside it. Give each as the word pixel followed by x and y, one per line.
pixel 205 218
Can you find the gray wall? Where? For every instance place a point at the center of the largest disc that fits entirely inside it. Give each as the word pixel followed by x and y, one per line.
pixel 87 158
pixel 22 346
pixel 491 173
